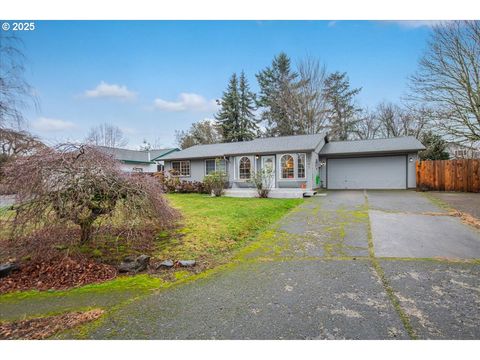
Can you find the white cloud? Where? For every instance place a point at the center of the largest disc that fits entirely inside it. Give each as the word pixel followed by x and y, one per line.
pixel 419 23
pixel 186 102
pixel 53 125
pixel 104 90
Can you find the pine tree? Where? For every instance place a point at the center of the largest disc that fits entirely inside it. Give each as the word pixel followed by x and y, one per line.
pixel 278 86
pixel 228 117
pixel 247 123
pixel 342 113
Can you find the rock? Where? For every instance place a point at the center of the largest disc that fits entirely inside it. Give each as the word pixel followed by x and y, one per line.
pixel 6 269
pixel 131 264
pixel 143 261
pixel 187 263
pixel 164 264
pixel 127 267
pixel 129 258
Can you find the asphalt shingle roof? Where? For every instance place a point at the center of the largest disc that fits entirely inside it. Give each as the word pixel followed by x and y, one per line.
pixel 398 144
pixel 134 155
pixel 257 146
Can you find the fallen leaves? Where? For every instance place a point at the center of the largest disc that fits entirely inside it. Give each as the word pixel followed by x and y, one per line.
pixel 42 328
pixel 57 274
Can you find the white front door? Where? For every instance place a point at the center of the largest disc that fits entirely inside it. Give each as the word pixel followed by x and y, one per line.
pixel 268 162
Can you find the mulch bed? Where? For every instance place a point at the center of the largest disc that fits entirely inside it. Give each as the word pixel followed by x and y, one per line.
pixel 42 328
pixel 57 274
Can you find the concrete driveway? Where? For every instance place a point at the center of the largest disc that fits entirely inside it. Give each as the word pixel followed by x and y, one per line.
pixel 350 265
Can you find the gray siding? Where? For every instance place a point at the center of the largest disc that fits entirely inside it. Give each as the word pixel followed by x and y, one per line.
pixel 412 171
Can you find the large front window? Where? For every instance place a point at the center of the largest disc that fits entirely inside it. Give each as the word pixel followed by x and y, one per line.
pixel 244 168
pixel 215 165
pixel 287 167
pixel 181 168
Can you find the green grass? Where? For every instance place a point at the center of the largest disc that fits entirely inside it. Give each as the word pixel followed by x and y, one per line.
pixel 136 283
pixel 214 227
pixel 211 232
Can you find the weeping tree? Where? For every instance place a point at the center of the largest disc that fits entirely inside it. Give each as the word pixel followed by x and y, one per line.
pixel 77 185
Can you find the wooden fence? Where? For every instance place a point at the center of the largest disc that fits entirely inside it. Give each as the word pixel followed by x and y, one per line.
pixel 449 175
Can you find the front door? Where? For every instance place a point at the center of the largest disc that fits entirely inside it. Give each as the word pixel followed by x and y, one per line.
pixel 268 162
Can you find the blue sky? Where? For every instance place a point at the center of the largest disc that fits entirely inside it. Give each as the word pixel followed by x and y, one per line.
pixel 154 77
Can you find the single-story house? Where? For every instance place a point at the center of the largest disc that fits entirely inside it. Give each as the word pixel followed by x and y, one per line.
pixel 461 151
pixel 138 160
pixel 303 164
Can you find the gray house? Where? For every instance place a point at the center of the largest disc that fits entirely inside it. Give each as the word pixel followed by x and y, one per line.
pixel 303 164
pixel 138 160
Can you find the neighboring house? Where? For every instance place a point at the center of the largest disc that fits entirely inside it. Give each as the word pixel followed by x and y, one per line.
pixel 138 160
pixel 458 151
pixel 304 163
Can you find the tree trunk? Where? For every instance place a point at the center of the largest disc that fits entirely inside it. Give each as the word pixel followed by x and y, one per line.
pixel 86 232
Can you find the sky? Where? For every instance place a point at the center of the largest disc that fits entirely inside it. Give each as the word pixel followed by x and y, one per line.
pixel 151 78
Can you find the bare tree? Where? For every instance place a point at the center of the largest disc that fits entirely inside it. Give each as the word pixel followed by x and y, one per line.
pixel 80 185
pixel 106 135
pixel 15 92
pixel 395 120
pixel 448 79
pixel 368 126
pixel 310 95
pixel 14 143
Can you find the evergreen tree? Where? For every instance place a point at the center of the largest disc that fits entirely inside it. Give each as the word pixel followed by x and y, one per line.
pixel 247 123
pixel 228 117
pixel 436 147
pixel 341 111
pixel 278 87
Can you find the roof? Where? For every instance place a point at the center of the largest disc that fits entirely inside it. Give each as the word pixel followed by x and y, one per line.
pixel 397 144
pixel 137 156
pixel 256 146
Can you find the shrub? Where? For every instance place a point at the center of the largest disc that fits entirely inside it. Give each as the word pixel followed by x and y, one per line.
pixel 79 185
pixel 215 182
pixel 171 183
pixel 263 181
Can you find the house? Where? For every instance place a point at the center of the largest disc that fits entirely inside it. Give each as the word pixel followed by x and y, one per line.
pixel 138 160
pixel 303 164
pixel 459 151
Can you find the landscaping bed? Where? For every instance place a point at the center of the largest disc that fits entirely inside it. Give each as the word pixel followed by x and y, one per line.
pixel 212 229
pixel 42 328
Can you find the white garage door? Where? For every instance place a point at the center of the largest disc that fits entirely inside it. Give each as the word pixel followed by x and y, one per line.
pixel 386 172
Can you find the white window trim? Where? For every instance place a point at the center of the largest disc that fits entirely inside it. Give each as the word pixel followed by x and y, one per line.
pixel 295 167
pixel 280 178
pixel 189 168
pixel 215 160
pixel 237 167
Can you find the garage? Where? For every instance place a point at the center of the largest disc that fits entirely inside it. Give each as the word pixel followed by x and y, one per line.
pixel 380 172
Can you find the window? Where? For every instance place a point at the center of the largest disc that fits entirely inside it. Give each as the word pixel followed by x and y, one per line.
pixel 301 166
pixel 215 165
pixel 137 169
pixel 287 167
pixel 244 168
pixel 460 153
pixel 182 168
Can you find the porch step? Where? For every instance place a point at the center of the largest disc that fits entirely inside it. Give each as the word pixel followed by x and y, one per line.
pixel 309 193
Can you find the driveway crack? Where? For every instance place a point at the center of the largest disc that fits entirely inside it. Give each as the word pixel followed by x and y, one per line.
pixel 385 283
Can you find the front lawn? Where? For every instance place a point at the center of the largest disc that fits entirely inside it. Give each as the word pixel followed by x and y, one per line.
pixel 214 227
